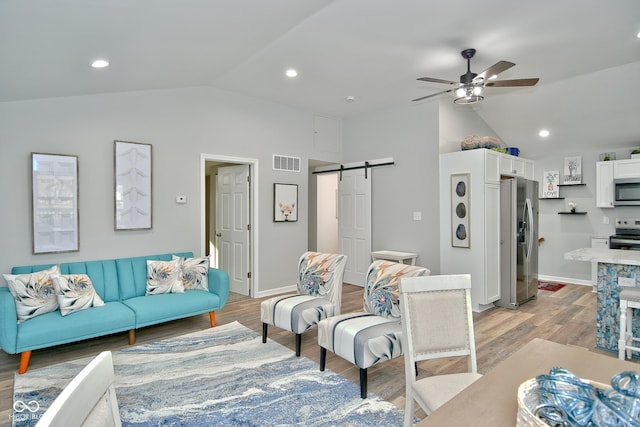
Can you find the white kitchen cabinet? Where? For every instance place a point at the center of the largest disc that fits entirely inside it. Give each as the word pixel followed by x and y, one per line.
pixel 626 168
pixel 516 166
pixel 597 242
pixel 604 184
pixel 482 258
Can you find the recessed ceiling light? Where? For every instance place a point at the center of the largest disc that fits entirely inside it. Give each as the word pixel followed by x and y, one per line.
pixel 544 133
pixel 291 73
pixel 100 63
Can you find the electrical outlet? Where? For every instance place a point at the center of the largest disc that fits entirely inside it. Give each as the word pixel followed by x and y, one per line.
pixel 605 220
pixel 626 281
pixel 417 216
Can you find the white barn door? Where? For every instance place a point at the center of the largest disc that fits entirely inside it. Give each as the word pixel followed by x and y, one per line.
pixel 354 203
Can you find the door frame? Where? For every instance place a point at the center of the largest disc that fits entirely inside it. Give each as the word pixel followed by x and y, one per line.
pixel 253 201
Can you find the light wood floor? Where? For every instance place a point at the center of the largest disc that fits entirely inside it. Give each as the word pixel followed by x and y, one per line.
pixel 566 316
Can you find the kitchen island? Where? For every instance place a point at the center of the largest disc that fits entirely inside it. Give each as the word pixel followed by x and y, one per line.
pixel 616 268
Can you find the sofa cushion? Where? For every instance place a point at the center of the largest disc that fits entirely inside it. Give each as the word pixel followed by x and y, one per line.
pixel 163 277
pixel 75 292
pixel 34 293
pixel 53 329
pixel 194 272
pixel 164 307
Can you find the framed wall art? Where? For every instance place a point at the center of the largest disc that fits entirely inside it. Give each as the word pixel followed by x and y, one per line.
pixel 550 189
pixel 54 192
pixel 460 237
pixel 572 170
pixel 132 178
pixel 285 202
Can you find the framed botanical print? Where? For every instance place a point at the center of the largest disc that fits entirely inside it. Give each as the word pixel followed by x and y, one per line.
pixel 132 179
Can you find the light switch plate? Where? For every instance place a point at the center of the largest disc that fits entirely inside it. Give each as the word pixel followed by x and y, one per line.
pixel 417 216
pixel 626 281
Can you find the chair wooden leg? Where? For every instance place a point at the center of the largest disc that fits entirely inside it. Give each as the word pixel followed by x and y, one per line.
pixel 264 332
pixel 298 344
pixel 25 357
pixel 212 318
pixel 363 383
pixel 323 357
pixel 132 336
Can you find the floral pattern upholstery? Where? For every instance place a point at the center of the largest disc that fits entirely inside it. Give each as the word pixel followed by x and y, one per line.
pixel 374 335
pixel 319 294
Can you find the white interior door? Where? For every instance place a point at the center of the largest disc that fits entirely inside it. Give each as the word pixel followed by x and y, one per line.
pixel 232 225
pixel 355 223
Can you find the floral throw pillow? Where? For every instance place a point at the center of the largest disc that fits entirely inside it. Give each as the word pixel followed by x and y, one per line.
pixel 194 272
pixel 34 293
pixel 75 292
pixel 163 277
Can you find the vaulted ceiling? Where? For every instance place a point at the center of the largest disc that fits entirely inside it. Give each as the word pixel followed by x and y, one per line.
pixel 585 52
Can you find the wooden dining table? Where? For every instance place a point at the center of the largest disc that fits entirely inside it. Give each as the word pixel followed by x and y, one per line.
pixel 492 400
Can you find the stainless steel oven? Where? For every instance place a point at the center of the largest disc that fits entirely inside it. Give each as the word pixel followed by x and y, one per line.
pixel 627 234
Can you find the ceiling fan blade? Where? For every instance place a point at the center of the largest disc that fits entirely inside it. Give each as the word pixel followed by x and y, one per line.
pixel 509 83
pixel 432 80
pixel 494 70
pixel 432 95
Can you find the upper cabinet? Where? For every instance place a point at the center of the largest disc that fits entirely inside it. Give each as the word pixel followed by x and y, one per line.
pixel 626 168
pixel 604 184
pixel 516 166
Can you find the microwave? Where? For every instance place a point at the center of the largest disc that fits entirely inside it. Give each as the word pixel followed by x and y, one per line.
pixel 626 192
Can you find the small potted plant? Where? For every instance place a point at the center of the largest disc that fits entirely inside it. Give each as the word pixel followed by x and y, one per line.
pixel 572 206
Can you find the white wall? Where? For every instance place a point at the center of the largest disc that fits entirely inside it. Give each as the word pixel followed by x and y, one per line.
pixel 181 124
pixel 409 134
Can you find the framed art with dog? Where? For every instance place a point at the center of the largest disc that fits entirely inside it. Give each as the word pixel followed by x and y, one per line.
pixel 285 202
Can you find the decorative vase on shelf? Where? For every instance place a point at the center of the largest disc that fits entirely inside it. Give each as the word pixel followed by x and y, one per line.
pixel 572 207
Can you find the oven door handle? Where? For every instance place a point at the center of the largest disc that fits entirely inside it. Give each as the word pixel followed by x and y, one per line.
pixel 625 241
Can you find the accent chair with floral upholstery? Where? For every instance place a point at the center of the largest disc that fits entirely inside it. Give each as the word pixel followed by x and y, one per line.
pixel 319 296
pixel 374 335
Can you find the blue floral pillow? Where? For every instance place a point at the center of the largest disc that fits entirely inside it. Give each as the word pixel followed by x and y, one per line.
pixel 34 293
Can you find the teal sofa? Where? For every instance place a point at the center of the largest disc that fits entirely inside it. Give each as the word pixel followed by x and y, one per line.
pixel 121 283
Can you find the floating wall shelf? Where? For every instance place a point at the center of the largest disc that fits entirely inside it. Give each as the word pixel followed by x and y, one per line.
pixel 572 213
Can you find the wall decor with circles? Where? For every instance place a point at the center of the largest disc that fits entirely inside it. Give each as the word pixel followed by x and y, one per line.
pixel 460 231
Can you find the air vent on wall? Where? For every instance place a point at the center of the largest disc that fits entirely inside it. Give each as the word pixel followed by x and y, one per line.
pixel 286 163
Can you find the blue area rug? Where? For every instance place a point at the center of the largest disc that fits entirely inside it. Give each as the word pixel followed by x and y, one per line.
pixel 223 376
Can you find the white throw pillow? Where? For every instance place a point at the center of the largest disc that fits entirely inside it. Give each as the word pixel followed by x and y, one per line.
pixel 163 277
pixel 194 272
pixel 75 292
pixel 34 293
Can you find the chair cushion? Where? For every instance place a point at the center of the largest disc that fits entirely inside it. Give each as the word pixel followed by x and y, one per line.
pixel 153 309
pixel 361 338
pixel 437 390
pixel 295 313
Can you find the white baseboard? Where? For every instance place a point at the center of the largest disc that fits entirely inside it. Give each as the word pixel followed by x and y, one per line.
pixel 277 291
pixel 559 279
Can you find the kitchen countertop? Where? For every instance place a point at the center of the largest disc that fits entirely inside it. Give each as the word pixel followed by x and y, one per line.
pixel 610 256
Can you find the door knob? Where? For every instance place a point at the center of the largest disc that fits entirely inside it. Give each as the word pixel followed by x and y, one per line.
pixel 218 234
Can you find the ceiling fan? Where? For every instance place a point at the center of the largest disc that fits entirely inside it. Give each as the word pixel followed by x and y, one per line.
pixel 471 86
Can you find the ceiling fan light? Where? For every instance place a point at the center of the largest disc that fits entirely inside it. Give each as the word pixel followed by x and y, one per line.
pixel 477 90
pixel 460 92
pixel 471 99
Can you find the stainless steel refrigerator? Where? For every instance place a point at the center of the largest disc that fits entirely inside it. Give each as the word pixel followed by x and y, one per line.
pixel 518 242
